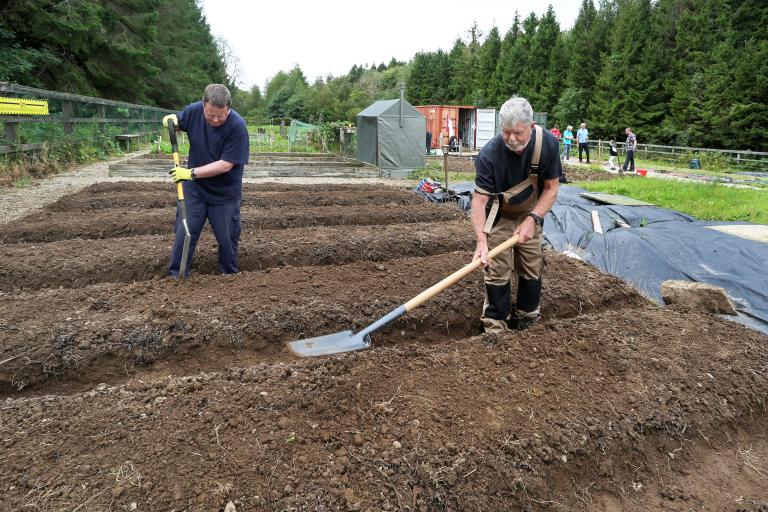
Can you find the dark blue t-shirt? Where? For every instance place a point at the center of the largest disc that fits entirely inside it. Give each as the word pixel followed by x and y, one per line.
pixel 228 142
pixel 498 168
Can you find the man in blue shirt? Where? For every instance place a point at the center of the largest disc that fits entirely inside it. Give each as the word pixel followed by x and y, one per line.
pixel 583 137
pixel 516 183
pixel 213 178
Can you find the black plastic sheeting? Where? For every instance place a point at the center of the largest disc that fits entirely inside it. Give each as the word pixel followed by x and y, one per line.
pixel 662 244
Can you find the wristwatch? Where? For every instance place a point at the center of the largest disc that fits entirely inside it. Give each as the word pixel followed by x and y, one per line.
pixel 537 218
pixel 192 173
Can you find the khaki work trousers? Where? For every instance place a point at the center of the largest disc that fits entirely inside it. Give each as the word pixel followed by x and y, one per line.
pixel 526 262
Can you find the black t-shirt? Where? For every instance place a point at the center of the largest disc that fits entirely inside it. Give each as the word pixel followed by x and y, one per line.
pixel 498 168
pixel 208 144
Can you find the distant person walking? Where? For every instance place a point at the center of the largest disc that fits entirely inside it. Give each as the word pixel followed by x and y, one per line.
pixel 612 161
pixel 583 137
pixel 630 147
pixel 567 141
pixel 429 142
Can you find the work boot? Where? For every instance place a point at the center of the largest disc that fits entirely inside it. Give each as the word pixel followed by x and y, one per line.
pixel 521 320
pixel 521 324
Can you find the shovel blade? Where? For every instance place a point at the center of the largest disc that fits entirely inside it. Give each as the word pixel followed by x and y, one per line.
pixel 184 256
pixel 335 343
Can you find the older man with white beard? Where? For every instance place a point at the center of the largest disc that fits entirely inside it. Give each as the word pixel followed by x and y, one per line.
pixel 516 184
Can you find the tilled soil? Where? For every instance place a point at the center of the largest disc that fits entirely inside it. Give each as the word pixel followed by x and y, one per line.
pixel 48 226
pixel 163 195
pixel 162 394
pixel 77 263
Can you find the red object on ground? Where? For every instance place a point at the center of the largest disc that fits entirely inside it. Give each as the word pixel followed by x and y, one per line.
pixel 642 172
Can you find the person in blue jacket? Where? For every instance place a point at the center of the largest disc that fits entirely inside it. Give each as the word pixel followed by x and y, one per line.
pixel 213 178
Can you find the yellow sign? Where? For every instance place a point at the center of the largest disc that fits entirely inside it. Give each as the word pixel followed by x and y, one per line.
pixel 23 107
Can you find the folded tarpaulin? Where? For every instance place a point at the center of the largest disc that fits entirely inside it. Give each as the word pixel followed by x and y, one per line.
pixel 657 244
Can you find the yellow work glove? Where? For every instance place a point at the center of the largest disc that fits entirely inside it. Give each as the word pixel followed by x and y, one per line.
pixel 173 118
pixel 181 174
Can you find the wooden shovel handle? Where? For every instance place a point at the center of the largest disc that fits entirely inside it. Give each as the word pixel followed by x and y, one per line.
pixel 457 276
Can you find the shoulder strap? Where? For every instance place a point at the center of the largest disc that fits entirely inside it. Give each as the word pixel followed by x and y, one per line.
pixel 537 150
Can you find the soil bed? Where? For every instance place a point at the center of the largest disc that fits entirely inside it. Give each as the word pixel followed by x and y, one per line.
pixel 157 195
pixel 139 324
pixel 77 263
pixel 115 223
pixel 161 394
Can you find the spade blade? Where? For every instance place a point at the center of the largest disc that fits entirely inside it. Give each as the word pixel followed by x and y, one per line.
pixel 336 343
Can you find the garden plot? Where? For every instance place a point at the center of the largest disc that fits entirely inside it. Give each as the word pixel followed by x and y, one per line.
pixel 124 389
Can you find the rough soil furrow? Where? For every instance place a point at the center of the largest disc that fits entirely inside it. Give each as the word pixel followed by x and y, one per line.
pixel 139 324
pixel 48 226
pixel 77 263
pixel 163 195
pixel 491 423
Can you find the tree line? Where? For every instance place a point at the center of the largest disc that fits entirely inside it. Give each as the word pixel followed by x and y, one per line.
pixel 680 72
pixel 151 52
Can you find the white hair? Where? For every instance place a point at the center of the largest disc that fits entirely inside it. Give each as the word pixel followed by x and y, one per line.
pixel 515 110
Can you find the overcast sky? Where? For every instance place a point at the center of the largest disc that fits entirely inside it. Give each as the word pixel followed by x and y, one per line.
pixel 328 37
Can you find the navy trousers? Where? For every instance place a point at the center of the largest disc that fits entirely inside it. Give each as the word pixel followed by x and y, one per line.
pixel 225 222
pixel 630 161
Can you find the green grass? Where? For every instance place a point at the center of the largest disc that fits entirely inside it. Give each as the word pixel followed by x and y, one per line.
pixel 704 201
pixel 434 171
pixel 165 146
pixel 272 141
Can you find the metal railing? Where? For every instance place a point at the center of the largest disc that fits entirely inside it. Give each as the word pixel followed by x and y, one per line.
pixel 681 155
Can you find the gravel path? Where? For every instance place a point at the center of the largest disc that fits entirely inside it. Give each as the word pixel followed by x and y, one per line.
pixel 18 202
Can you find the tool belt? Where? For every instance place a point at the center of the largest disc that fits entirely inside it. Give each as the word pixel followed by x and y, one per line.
pixel 519 200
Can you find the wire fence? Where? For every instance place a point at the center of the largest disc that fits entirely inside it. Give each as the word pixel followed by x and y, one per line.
pixel 283 135
pixel 292 135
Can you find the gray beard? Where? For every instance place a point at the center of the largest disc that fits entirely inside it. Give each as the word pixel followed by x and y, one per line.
pixel 518 148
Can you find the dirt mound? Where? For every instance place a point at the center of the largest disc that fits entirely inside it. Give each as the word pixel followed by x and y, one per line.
pixel 160 394
pixel 163 195
pixel 49 226
pixel 77 263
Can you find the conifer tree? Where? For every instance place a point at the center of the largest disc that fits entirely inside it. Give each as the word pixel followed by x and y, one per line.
pixel 487 61
pixel 511 66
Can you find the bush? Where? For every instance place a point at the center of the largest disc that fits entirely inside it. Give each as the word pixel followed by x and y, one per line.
pixel 709 160
pixel 62 153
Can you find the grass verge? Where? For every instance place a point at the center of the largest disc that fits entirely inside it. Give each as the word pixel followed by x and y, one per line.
pixel 705 201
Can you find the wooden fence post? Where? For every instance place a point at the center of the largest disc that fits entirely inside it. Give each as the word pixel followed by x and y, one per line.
pixel 101 109
pixel 66 116
pixel 11 132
